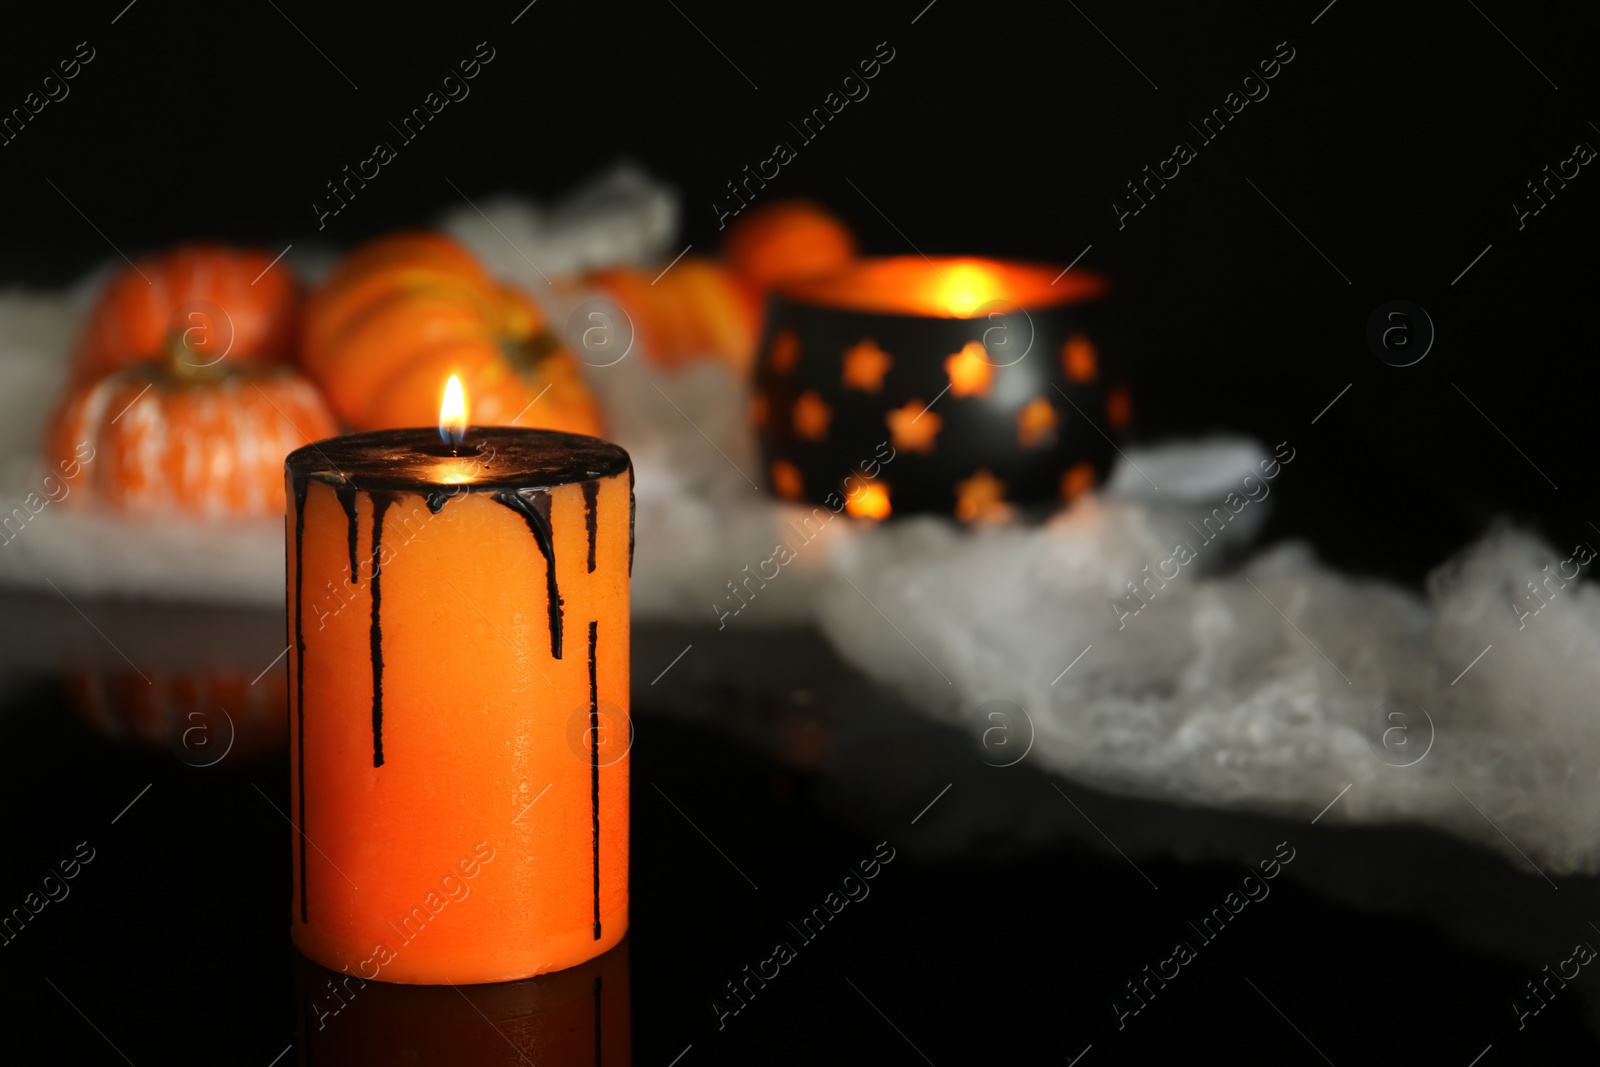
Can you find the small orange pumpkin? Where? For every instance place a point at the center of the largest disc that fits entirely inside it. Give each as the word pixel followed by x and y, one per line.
pixel 788 240
pixel 180 436
pixel 398 316
pixel 247 311
pixel 695 308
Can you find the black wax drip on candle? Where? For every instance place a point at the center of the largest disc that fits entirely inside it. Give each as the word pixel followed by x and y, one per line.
pixel 594 765
pixel 380 504
pixel 300 486
pixel 630 518
pixel 591 507
pixel 534 507
pixel 347 500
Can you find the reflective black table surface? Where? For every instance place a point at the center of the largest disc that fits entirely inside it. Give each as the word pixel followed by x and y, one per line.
pixel 1009 916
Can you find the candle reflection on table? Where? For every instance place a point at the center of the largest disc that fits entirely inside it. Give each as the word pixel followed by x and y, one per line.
pixel 576 1016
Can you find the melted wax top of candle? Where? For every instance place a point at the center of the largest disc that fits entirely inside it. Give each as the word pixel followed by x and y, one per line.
pixel 489 459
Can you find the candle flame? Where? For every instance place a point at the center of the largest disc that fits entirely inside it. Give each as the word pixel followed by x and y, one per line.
pixel 453 413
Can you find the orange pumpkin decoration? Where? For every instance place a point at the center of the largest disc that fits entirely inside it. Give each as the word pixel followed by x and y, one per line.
pixel 398 316
pixel 178 436
pixel 788 240
pixel 696 308
pixel 247 311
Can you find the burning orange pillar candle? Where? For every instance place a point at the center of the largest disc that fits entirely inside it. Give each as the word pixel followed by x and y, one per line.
pixel 458 617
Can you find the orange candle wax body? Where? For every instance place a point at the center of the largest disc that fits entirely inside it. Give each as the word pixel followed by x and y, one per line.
pixel 458 632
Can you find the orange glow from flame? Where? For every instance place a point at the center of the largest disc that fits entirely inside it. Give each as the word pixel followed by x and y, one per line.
pixel 946 287
pixel 967 287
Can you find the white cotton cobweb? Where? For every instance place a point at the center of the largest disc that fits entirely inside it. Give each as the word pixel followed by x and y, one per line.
pixel 1255 688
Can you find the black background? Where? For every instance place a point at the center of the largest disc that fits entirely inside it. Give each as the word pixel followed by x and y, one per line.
pixel 1396 140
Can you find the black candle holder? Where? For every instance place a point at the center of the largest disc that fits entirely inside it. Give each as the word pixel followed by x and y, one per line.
pixel 993 387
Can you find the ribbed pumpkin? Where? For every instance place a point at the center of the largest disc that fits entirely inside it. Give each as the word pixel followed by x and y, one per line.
pixel 697 308
pixel 398 316
pixel 182 438
pixel 787 240
pixel 247 311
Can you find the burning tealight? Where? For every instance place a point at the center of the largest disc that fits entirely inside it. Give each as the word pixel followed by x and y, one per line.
pixel 995 386
pixel 458 616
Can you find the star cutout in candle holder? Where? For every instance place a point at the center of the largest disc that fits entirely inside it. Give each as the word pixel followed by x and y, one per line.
pixel 811 416
pixel 913 427
pixel 786 480
pixel 873 503
pixel 981 498
pixel 970 371
pixel 785 351
pixel 1079 359
pixel 865 364
pixel 1078 480
pixel 1119 408
pixel 1036 423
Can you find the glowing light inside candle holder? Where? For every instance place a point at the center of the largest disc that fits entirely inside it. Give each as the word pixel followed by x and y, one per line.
pixel 453 413
pixel 946 287
pixel 968 285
